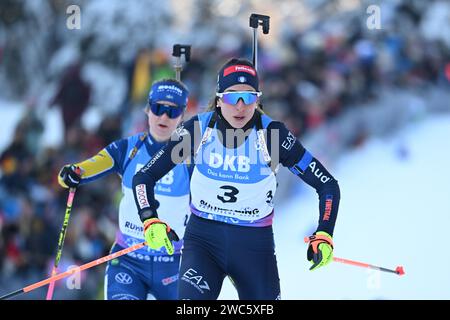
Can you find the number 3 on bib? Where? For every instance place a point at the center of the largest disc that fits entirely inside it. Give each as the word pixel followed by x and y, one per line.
pixel 229 195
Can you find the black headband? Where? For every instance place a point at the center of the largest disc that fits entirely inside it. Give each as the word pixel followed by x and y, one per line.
pixel 237 74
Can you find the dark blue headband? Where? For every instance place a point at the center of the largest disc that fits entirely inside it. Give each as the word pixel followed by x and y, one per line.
pixel 237 74
pixel 168 91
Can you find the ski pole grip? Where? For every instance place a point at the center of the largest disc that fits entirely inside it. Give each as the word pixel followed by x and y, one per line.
pixel 180 49
pixel 257 20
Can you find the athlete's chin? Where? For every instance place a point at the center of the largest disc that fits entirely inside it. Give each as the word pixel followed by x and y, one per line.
pixel 162 133
pixel 239 122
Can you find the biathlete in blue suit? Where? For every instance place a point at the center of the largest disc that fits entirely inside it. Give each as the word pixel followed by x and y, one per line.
pixel 237 150
pixel 149 270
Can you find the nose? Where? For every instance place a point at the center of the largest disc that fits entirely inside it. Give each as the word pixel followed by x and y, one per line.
pixel 240 104
pixel 164 116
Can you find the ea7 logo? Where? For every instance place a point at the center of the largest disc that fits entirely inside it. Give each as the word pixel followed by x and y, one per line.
pixel 319 174
pixel 288 143
pixel 229 162
pixel 191 274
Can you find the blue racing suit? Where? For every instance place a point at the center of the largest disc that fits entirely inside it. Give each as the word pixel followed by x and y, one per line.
pixel 144 271
pixel 233 185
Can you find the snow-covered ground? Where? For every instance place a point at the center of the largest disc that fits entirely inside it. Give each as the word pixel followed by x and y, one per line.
pixel 393 212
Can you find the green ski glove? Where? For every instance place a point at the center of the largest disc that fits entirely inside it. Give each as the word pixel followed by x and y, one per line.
pixel 320 250
pixel 156 235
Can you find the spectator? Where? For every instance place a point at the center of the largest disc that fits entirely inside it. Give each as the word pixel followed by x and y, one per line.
pixel 72 96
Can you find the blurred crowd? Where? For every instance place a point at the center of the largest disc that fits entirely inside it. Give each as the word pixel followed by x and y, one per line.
pixel 32 204
pixel 315 74
pixel 315 77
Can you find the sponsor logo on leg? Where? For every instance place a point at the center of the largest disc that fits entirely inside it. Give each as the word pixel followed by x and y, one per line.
pixel 123 278
pixel 124 296
pixel 169 280
pixel 163 259
pixel 192 277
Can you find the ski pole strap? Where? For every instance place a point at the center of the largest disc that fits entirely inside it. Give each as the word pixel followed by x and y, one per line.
pixel 135 149
pixel 149 222
pixel 207 133
pixel 259 132
pixel 262 140
pixel 320 238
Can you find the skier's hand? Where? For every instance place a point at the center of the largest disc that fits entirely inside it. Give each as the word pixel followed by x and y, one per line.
pixel 320 250
pixel 69 176
pixel 158 234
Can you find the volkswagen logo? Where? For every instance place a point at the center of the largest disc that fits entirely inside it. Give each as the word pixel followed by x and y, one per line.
pixel 123 278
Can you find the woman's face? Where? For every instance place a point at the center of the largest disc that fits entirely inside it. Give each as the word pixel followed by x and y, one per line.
pixel 161 127
pixel 238 114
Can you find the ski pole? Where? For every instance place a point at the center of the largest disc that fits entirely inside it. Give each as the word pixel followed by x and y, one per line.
pixel 177 51
pixel 399 270
pixel 88 265
pixel 255 21
pixel 62 236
